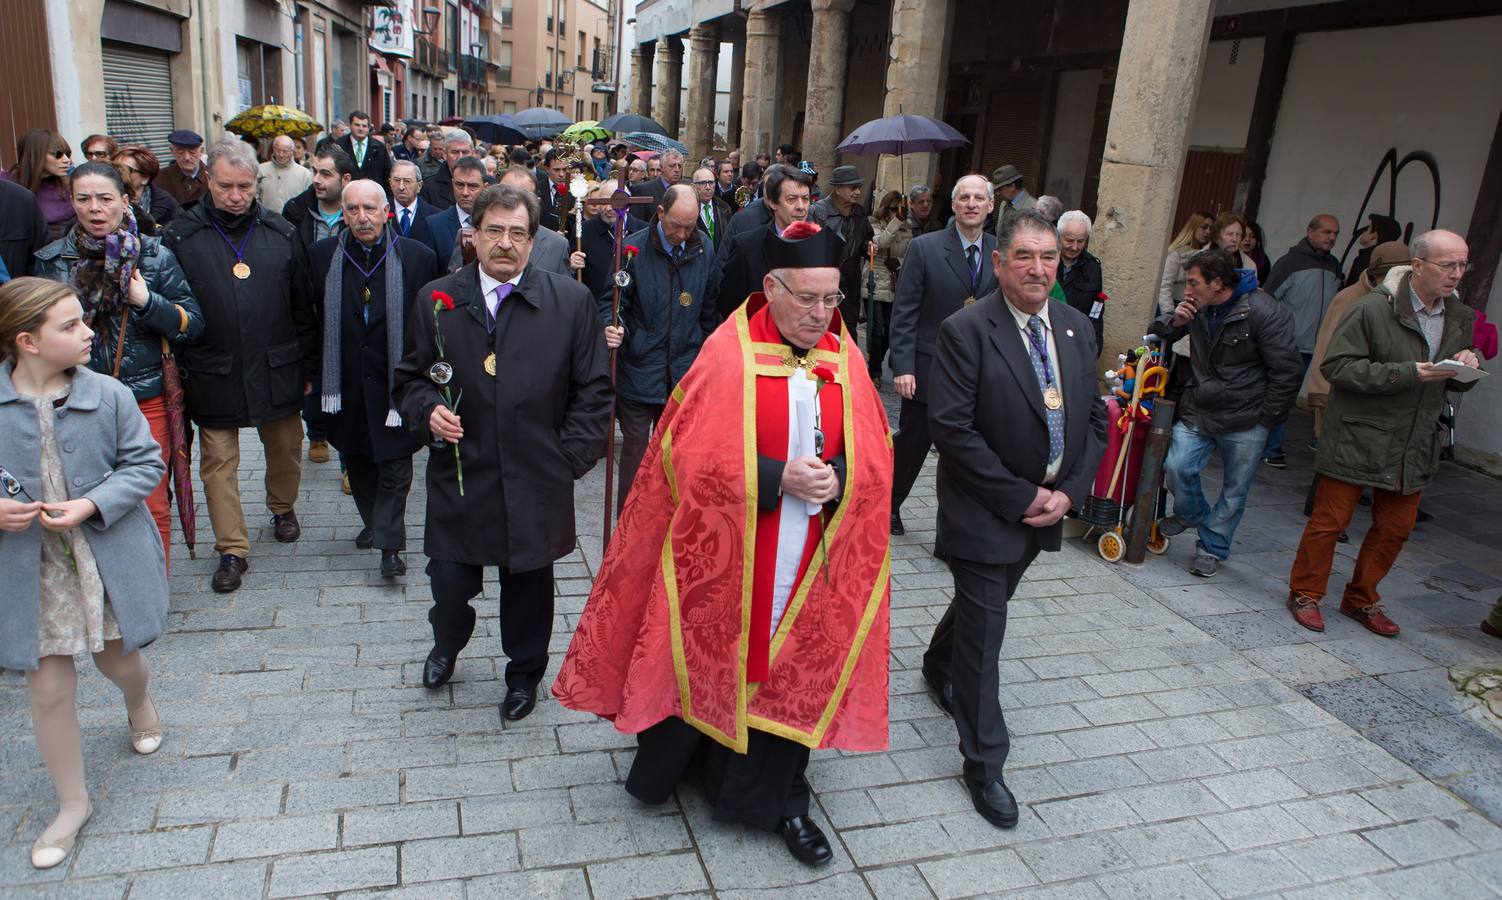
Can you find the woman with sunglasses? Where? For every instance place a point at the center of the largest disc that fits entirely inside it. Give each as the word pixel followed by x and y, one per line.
pixel 134 295
pixel 99 148
pixel 138 166
pixel 43 159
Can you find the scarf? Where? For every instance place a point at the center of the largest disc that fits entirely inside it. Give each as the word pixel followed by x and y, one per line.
pixel 105 266
pixel 333 311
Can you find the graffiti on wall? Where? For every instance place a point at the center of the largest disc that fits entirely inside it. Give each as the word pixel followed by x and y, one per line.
pixel 1392 166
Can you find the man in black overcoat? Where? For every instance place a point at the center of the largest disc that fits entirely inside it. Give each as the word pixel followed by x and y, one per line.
pixel 23 230
pixel 1020 427
pixel 942 273
pixel 258 356
pixel 527 350
pixel 742 257
pixel 366 304
pixel 370 155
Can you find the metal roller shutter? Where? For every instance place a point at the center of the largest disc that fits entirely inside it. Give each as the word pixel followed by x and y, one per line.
pixel 138 97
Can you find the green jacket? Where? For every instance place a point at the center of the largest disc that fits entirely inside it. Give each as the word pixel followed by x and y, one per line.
pixel 1382 424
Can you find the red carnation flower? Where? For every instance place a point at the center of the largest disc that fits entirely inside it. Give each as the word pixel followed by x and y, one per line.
pixel 1101 296
pixel 630 250
pixel 824 372
pixel 800 230
pixel 442 299
pixel 560 188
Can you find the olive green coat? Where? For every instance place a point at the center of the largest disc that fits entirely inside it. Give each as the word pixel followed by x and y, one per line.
pixel 1382 424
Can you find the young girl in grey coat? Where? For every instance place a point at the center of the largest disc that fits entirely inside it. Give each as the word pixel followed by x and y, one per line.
pixel 80 554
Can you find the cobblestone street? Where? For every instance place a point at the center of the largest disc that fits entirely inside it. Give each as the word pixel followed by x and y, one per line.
pixel 1172 737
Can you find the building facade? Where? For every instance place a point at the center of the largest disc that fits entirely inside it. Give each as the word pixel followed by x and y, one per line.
pixel 558 54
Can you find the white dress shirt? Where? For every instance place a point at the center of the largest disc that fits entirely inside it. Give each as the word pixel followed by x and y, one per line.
pixel 488 287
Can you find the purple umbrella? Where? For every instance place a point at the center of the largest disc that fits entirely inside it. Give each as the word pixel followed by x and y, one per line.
pixel 902 134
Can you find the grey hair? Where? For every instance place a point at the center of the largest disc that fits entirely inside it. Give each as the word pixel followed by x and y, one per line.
pixel 460 135
pixel 1029 220
pixel 1423 245
pixel 1071 217
pixel 671 154
pixel 918 191
pixel 236 153
pixel 504 196
pixel 954 192
pixel 1051 207
pixel 416 169
pixel 338 123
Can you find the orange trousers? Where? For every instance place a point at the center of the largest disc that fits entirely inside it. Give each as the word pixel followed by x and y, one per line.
pixel 155 411
pixel 1393 515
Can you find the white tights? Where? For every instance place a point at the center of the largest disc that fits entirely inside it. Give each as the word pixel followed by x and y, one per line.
pixel 53 688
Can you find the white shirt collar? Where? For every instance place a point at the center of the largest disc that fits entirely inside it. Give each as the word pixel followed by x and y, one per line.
pixel 488 286
pixel 411 209
pixel 463 217
pixel 1022 317
pixel 967 244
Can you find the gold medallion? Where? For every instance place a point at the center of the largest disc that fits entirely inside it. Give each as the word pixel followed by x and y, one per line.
pixel 490 365
pixel 241 270
pixel 1052 398
pixel 969 300
pixel 685 299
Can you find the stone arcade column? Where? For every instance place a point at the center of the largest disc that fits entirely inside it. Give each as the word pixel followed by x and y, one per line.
pixel 641 77
pixel 737 93
pixel 917 70
pixel 759 105
pixel 704 65
pixel 1157 80
pixel 666 92
pixel 823 121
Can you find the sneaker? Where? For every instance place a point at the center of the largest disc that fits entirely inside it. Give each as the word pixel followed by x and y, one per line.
pixel 318 451
pixel 1173 525
pixel 1205 565
pixel 1375 620
pixel 1275 462
pixel 1306 612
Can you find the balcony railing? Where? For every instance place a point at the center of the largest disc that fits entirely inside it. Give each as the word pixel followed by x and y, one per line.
pixel 471 69
pixel 431 58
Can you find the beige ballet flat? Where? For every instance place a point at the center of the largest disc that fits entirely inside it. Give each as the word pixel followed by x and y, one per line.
pixel 146 742
pixel 47 854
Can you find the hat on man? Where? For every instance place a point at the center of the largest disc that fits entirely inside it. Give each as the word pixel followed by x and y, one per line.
pixel 845 175
pixel 1385 256
pixel 1005 176
pixel 185 138
pixel 803 245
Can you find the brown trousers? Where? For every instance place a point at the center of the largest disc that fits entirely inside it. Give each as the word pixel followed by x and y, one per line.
pixel 1335 501
pixel 219 471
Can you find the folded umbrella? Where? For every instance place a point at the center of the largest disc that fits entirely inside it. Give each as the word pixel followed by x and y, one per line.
pixel 179 452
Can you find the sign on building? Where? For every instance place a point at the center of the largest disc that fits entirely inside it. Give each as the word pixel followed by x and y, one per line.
pixel 391 29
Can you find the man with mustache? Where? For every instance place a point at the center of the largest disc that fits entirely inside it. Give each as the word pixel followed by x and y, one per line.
pixel 368 278
pixel 515 403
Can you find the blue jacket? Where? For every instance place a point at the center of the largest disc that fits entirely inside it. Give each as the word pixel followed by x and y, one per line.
pixel 662 335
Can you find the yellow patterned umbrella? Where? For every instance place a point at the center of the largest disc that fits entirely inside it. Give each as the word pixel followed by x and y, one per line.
pixel 270 120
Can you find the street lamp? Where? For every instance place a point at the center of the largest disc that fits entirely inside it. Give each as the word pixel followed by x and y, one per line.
pixel 430 16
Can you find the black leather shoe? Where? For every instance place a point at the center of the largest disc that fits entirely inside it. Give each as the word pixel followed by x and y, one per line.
pixel 437 670
pixel 943 694
pixel 518 703
pixel 805 840
pixel 365 539
pixel 286 527
pixel 392 564
pixel 897 524
pixel 995 803
pixel 227 578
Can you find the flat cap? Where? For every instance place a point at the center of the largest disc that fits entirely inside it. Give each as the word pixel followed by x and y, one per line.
pixel 844 175
pixel 1005 175
pixel 183 137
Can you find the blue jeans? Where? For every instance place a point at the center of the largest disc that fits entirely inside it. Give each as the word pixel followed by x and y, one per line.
pixel 1274 447
pixel 1240 453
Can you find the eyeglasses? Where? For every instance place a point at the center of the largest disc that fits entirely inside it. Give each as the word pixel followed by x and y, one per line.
pixel 60 154
pixel 809 301
pixel 1449 268
pixel 96 154
pixel 518 235
pixel 703 183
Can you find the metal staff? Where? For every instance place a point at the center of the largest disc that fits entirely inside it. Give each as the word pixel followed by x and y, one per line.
pixel 578 188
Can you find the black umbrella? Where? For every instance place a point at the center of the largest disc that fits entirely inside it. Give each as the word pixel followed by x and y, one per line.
pixel 495 129
pixel 540 122
pixel 626 122
pixel 902 134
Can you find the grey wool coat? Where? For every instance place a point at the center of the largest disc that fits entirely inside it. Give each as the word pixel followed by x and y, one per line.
pixel 110 458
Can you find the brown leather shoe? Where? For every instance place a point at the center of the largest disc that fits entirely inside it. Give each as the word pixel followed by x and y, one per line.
pixel 1306 612
pixel 286 527
pixel 1375 620
pixel 318 451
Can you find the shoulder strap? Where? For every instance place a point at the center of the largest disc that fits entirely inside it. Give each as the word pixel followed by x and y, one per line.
pixel 120 341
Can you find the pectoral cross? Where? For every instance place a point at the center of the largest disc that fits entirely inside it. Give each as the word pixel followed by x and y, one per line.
pixel 621 201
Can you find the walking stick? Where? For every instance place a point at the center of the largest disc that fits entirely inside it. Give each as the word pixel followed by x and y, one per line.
pixel 578 188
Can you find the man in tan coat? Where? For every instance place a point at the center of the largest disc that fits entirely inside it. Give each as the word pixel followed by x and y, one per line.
pixel 1384 257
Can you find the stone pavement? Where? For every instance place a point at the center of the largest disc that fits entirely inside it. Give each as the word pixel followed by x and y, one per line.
pixel 1172 737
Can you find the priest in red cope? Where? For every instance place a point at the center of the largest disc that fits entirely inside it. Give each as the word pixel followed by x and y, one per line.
pixel 740 615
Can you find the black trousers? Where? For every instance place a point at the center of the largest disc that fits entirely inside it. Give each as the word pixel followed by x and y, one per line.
pixel 878 330
pixel 526 615
pixel 380 489
pixel 966 650
pixel 316 419
pixel 759 788
pixel 637 422
pixel 910 448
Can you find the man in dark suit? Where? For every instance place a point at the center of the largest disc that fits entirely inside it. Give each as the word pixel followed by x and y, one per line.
pixel 445 230
pixel 554 206
pixel 672 173
pixel 527 350
pixel 438 188
pixel 1020 428
pixel 743 257
pixel 726 185
pixel 942 273
pixel 371 157
pixel 409 212
pixel 367 279
pixel 714 215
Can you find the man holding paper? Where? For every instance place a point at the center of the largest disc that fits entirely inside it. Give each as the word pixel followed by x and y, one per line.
pixel 1389 364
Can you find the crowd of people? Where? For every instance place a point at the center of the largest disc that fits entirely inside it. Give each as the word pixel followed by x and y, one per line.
pixel 392 290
